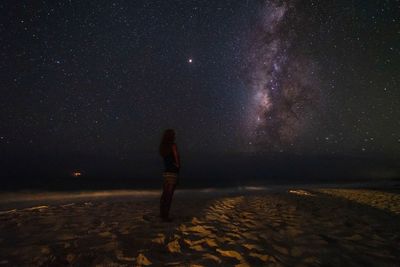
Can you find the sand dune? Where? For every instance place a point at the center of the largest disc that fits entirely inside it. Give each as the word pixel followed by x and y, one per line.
pixel 322 227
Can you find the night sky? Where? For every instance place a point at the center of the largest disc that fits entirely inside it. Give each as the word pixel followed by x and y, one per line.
pixel 107 77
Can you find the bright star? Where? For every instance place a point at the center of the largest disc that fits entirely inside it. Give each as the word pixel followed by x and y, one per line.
pixel 190 60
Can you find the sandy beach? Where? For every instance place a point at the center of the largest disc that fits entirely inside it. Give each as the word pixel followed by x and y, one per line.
pixel 288 227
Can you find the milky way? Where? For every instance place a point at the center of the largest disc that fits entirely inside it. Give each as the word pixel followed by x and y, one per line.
pixel 285 94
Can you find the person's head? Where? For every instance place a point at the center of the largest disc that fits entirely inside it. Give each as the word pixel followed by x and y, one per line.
pixel 167 140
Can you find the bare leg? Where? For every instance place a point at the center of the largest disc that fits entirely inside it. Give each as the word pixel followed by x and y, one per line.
pixel 171 189
pixel 166 199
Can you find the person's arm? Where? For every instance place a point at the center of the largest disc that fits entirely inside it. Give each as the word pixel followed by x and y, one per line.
pixel 176 155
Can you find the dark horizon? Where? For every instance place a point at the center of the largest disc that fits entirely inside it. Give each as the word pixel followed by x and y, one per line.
pixel 50 172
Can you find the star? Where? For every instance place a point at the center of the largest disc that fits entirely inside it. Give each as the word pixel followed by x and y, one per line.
pixel 190 60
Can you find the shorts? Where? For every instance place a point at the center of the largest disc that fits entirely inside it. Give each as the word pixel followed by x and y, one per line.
pixel 170 177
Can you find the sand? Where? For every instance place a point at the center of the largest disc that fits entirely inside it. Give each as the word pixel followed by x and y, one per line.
pixel 293 227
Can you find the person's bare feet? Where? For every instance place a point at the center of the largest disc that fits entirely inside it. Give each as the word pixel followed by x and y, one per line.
pixel 166 219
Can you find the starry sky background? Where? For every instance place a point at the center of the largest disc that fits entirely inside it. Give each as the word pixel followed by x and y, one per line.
pixel 106 77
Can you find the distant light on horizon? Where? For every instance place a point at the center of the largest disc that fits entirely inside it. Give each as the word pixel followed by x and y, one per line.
pixel 301 192
pixel 77 174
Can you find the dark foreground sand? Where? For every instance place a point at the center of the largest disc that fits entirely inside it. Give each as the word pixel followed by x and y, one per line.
pixel 318 227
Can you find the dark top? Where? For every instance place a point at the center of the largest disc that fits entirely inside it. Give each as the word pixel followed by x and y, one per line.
pixel 170 164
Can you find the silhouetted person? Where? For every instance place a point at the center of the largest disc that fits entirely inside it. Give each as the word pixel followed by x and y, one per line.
pixel 169 152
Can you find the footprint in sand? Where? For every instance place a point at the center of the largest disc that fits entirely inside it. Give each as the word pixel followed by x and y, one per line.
pixel 253 247
pixel 142 260
pixel 262 257
pixel 160 239
pixel 212 257
pixel 66 236
pixel 230 254
pixel 174 247
pixel 150 218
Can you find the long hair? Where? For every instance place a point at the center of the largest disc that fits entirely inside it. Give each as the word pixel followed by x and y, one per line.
pixel 167 141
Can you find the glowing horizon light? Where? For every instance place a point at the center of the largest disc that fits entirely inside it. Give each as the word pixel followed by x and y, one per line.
pixel 301 192
pixel 77 173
